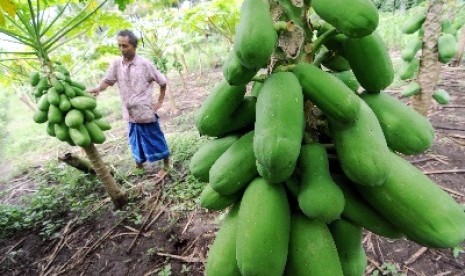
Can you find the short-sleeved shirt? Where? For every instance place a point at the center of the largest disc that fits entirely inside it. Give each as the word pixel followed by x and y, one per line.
pixel 135 81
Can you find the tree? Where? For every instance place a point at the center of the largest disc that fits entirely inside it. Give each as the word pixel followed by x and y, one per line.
pixel 28 25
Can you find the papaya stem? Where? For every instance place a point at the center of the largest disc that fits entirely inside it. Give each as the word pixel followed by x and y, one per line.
pixel 284 68
pixel 259 78
pixel 320 57
pixel 280 26
pixel 322 38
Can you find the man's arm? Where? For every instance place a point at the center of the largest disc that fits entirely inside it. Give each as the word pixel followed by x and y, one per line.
pixel 96 90
pixel 161 98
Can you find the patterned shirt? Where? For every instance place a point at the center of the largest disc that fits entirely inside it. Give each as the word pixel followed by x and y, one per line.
pixel 135 81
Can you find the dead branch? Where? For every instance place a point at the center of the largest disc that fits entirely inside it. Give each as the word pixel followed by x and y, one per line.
pixel 416 255
pixel 452 191
pixel 445 171
pixel 447 128
pixel 188 223
pixel 422 160
pixel 77 162
pixel 188 259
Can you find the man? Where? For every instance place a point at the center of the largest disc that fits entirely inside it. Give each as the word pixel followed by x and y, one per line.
pixel 135 76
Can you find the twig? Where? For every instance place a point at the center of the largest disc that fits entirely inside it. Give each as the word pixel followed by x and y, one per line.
pixel 457 136
pixel 375 263
pixel 444 273
pixel 140 232
pixel 181 258
pixel 454 106
pixel 452 191
pixel 445 171
pixel 415 256
pixel 58 248
pixel 11 249
pixel 155 219
pixel 448 128
pixel 188 223
pixel 422 160
pixel 192 243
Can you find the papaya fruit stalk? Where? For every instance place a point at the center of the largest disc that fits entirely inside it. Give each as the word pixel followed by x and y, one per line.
pixel 430 67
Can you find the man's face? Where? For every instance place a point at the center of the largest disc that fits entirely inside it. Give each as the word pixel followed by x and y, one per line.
pixel 126 48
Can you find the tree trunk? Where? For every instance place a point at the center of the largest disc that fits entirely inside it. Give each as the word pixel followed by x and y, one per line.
pixel 456 61
pixel 430 68
pixel 118 198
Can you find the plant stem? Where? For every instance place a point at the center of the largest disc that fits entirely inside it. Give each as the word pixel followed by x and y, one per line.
pixel 322 38
pixel 60 12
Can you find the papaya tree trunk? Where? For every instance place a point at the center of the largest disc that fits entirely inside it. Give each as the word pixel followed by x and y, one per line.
pixel 430 68
pixel 118 198
pixel 456 61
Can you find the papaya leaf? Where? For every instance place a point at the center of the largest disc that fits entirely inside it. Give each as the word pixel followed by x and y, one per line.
pixel 2 20
pixel 8 6
pixel 122 4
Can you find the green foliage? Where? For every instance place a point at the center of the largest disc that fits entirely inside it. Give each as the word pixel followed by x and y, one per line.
pixel 393 5
pixel 456 251
pixel 60 190
pixel 388 268
pixel 166 271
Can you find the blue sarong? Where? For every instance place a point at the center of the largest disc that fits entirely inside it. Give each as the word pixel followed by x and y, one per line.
pixel 147 142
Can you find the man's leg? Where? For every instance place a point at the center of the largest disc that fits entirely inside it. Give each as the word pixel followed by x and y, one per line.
pixel 164 171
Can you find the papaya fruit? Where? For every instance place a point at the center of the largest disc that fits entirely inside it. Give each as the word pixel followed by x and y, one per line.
pixel 236 73
pixel 204 158
pixel 55 115
pixel 212 200
pixel 312 250
pixel 414 23
pixel 217 109
pixel 276 145
pixel 349 243
pixel 263 227
pixel 103 125
pixel 409 69
pixel 256 88
pixel 221 259
pixel 64 105
pixel 441 96
pixel 77 84
pixel 74 118
pixel 447 27
pixel 42 85
pixel 82 103
pixel 69 91
pixel 319 197
pixel 405 130
pixel 417 206
pixel 34 79
pixel 62 132
pixel 411 49
pixel 255 37
pixel 447 47
pixel 80 136
pixel 243 118
pixel 43 104
pixel 411 89
pixel 336 62
pixel 370 61
pixel 327 92
pixel 97 114
pixel 96 134
pixel 354 18
pixel 349 79
pixel 235 168
pixel 361 148
pixel 88 115
pixel 51 129
pixel 53 96
pixel 57 85
pixel 358 211
pixel 40 116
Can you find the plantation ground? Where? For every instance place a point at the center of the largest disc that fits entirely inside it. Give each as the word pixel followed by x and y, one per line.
pixel 164 232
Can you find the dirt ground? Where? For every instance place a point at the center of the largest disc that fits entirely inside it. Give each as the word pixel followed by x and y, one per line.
pixel 176 243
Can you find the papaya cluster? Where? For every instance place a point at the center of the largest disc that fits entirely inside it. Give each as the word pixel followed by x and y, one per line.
pixel 69 111
pixel 299 207
pixel 447 50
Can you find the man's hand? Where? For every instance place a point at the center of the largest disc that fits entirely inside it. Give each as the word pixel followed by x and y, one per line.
pixel 93 92
pixel 156 106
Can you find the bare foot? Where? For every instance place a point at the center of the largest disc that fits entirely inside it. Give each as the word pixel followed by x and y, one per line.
pixel 161 174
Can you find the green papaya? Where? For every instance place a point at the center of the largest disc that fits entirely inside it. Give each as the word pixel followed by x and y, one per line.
pixel 221 259
pixel 96 134
pixel 405 130
pixel 40 116
pixel 361 148
pixel 83 102
pixel 64 105
pixel 80 136
pixel 78 85
pixel 447 47
pixel 243 118
pixel 277 145
pixel 51 129
pixel 414 23
pixel 255 37
pixel 69 91
pixel 236 73
pixel 327 92
pixel 263 229
pixel 256 88
pixel 235 168
pixel 417 206
pixel 103 125
pixel 336 62
pixel 62 132
pixel 217 109
pixel 97 114
pixel 212 200
pixel 55 115
pixel 447 27
pixel 43 104
pixel 74 118
pixel 42 85
pixel 349 243
pixel 413 46
pixel 88 115
pixel 409 69
pixel 441 96
pixel 370 61
pixel 411 89
pixel 53 96
pixel 204 158
pixel 312 250
pixel 34 79
pixel 354 18
pixel 319 197
pixel 358 211
pixel 349 79
pixel 57 85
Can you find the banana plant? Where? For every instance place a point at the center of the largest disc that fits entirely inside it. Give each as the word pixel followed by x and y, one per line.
pixel 41 27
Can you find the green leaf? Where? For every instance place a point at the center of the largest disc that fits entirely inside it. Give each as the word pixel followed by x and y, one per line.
pixel 8 6
pixel 122 4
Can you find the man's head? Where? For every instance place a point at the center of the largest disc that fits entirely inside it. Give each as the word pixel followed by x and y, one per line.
pixel 127 43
